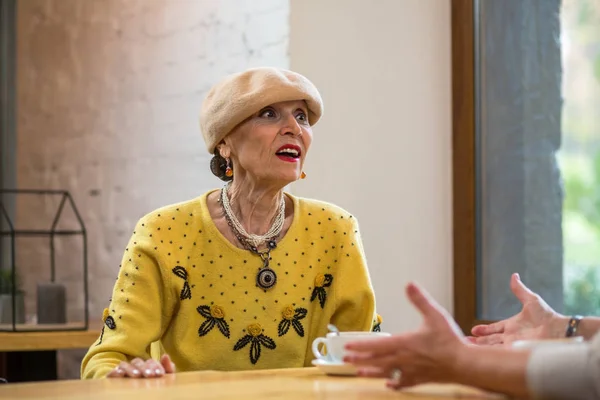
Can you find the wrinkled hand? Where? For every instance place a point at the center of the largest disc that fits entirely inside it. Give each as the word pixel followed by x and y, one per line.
pixel 426 355
pixel 537 320
pixel 139 368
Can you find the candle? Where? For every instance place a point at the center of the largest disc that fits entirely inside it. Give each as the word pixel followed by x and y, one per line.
pixel 51 303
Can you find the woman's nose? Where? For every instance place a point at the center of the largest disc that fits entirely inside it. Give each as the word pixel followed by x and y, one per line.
pixel 292 127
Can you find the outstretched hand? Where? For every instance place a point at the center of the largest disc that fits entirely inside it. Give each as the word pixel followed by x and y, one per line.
pixel 426 355
pixel 537 320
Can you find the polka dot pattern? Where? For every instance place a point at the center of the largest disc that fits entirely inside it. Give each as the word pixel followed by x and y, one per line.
pixel 181 280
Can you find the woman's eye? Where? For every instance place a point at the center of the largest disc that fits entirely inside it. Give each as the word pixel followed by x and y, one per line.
pixel 301 117
pixel 267 114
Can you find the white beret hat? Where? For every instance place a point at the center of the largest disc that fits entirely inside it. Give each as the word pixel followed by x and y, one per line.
pixel 240 95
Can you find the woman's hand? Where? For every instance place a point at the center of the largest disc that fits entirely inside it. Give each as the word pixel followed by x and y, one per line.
pixel 139 368
pixel 537 320
pixel 426 355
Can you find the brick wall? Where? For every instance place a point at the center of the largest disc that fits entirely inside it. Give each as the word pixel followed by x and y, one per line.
pixel 108 98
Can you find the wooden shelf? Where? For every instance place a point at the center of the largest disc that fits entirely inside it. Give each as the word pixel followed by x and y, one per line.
pixel 41 232
pixel 43 340
pixel 70 326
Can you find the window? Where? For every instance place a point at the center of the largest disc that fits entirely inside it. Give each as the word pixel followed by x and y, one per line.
pixel 526 90
pixel 7 114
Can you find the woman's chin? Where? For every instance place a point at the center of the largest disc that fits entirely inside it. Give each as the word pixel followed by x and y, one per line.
pixel 282 178
pixel 289 179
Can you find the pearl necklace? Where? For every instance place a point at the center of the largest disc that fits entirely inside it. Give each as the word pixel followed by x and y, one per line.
pixel 251 238
pixel 266 277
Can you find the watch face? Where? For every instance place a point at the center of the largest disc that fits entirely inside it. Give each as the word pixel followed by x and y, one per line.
pixel 573 323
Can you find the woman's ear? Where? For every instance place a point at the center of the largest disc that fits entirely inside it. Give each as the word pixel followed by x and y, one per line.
pixel 224 149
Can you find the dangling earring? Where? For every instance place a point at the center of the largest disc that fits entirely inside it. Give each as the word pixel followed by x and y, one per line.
pixel 302 175
pixel 228 170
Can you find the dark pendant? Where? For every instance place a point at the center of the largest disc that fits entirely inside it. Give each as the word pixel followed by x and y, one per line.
pixel 272 244
pixel 266 278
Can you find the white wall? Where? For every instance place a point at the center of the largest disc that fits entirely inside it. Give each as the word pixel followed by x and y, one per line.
pixel 383 147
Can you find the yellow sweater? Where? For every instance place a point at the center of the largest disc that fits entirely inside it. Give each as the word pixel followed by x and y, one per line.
pixel 183 285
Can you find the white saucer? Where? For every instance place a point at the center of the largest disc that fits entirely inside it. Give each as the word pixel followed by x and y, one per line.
pixel 335 368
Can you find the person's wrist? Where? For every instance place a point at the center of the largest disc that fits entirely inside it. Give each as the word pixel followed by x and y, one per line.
pixel 558 326
pixel 460 361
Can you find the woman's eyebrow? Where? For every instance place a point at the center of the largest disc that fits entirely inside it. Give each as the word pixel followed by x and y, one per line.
pixel 304 110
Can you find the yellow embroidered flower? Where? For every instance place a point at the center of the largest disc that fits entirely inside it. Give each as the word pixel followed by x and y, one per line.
pixel 288 313
pixel 214 317
pixel 107 321
pixel 319 280
pixel 292 317
pixel 254 329
pixel 257 341
pixel 217 312
pixel 377 323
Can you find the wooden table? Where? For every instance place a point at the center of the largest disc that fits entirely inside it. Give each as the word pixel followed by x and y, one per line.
pixel 31 356
pixel 288 384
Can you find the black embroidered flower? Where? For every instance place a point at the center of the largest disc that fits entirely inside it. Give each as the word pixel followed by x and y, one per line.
pixel 214 316
pixel 321 282
pixel 292 317
pixel 377 323
pixel 108 321
pixel 186 292
pixel 257 340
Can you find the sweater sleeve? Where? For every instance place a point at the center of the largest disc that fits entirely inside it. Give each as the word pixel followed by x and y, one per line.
pixel 139 310
pixel 355 299
pixel 565 372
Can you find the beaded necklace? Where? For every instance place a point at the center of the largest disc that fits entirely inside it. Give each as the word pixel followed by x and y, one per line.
pixel 266 277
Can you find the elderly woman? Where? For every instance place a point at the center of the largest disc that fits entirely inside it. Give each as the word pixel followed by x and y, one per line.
pixel 244 277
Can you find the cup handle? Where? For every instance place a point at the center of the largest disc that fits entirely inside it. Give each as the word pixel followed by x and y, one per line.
pixel 315 348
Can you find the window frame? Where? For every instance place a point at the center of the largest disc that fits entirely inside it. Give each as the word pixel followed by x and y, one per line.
pixel 464 163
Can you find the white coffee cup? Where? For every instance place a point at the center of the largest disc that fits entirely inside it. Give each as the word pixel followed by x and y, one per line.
pixel 335 343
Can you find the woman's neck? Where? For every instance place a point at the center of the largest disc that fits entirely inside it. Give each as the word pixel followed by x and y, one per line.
pixel 254 206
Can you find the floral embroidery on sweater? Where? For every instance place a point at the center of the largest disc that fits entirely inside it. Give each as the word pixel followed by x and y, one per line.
pixel 322 281
pixel 186 292
pixel 257 340
pixel 292 317
pixel 108 321
pixel 215 316
pixel 377 323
